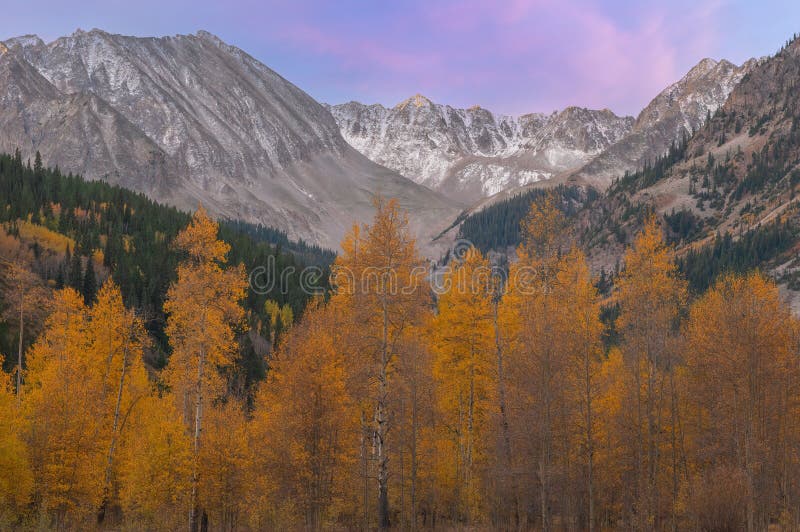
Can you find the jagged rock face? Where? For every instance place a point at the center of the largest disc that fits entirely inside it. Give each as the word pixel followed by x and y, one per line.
pixel 678 110
pixel 472 153
pixel 190 119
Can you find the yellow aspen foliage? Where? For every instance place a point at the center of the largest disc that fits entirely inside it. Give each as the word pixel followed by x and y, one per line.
pixel 379 281
pixel 203 315
pixel 543 227
pixel 614 417
pixel 463 340
pixel 66 441
pixel 580 342
pixel 280 318
pixel 16 477
pixel 118 341
pixel 742 372
pixel 651 296
pixel 86 375
pixel 551 335
pixel 155 466
pixel 305 431
pixel 224 463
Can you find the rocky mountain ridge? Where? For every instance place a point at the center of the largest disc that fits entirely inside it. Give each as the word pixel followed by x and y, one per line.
pixel 473 153
pixel 189 119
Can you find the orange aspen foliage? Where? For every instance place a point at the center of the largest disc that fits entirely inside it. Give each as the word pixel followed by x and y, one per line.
pixel 85 377
pixel 305 430
pixel 225 460
pixel 379 285
pixel 742 376
pixel 26 301
pixel 651 296
pixel 464 371
pixel 67 456
pixel 551 332
pixel 16 477
pixel 155 466
pixel 203 308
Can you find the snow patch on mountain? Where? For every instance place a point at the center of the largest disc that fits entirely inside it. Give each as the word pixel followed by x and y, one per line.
pixel 471 153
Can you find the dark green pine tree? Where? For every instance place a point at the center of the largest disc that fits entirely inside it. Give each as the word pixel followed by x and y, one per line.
pixel 75 274
pixel 60 280
pixel 89 289
pixel 37 163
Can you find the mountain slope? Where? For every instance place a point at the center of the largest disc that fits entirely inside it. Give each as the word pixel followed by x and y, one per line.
pixel 736 176
pixel 472 153
pixel 190 119
pixel 677 111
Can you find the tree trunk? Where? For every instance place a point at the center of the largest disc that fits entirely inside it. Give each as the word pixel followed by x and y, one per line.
pixel 414 422
pixel 589 439
pixel 544 462
pixel 365 470
pixel 673 423
pixel 19 352
pixel 381 428
pixel 501 396
pixel 198 418
pixel 110 461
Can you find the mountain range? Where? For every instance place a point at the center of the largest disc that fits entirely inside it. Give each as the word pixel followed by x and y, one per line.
pixel 729 192
pixel 189 119
pixel 473 154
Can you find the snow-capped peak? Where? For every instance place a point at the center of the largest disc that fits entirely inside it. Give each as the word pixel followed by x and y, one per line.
pixel 471 153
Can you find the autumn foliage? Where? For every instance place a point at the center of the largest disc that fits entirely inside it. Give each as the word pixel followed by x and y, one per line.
pixel 496 401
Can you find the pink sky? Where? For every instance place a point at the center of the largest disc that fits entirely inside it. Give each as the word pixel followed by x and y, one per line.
pixel 512 56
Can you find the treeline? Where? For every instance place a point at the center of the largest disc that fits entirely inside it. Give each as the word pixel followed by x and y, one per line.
pixel 493 405
pixel 702 266
pixel 652 172
pixel 310 254
pixel 497 227
pixel 124 233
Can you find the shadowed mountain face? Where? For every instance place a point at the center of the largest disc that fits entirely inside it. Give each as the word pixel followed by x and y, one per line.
pixel 190 119
pixel 473 153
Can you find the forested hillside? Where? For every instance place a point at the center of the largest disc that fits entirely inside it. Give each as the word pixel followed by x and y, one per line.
pixel 73 232
pixel 728 193
pixel 497 227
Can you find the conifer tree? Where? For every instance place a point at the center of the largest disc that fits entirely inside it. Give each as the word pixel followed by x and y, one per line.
pixel 89 284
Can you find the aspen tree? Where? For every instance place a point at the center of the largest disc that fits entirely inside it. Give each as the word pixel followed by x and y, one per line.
pixel 203 311
pixel 305 429
pixel 16 477
pixel 26 301
pixel 531 321
pixel 464 372
pixel 651 296
pixel 118 341
pixel 68 446
pixel 378 280
pixel 743 381
pixel 155 466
